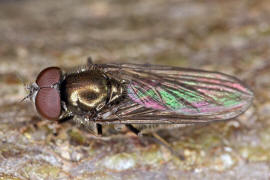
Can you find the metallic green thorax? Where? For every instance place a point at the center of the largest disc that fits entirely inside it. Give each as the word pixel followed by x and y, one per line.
pixel 89 91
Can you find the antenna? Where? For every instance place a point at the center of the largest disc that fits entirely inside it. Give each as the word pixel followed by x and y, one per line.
pixel 26 87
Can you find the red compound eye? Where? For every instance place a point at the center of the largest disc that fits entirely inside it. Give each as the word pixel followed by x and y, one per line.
pixel 48 100
pixel 48 77
pixel 48 103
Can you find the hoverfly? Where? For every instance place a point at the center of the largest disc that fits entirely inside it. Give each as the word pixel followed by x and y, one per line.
pixel 138 96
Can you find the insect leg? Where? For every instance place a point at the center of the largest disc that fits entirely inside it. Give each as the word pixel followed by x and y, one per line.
pixel 99 129
pixel 163 142
pixel 89 61
pixel 65 119
pixel 133 129
pixel 157 139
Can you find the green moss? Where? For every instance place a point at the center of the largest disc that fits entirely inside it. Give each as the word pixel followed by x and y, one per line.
pixel 8 177
pixel 152 156
pixel 47 170
pixel 39 170
pixel 255 154
pixel 265 31
pixel 76 137
pixel 96 176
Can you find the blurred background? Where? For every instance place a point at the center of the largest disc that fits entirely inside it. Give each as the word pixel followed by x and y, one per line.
pixel 221 35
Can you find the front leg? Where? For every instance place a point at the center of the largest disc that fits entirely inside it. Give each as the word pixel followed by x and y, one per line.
pixel 65 119
pixel 133 129
pixel 89 61
pixel 99 129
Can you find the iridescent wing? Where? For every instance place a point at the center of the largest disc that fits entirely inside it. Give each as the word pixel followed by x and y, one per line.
pixel 163 94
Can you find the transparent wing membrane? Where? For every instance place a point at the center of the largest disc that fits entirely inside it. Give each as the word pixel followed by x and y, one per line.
pixel 162 94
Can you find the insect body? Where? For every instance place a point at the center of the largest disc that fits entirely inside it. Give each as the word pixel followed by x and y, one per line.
pixel 138 96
